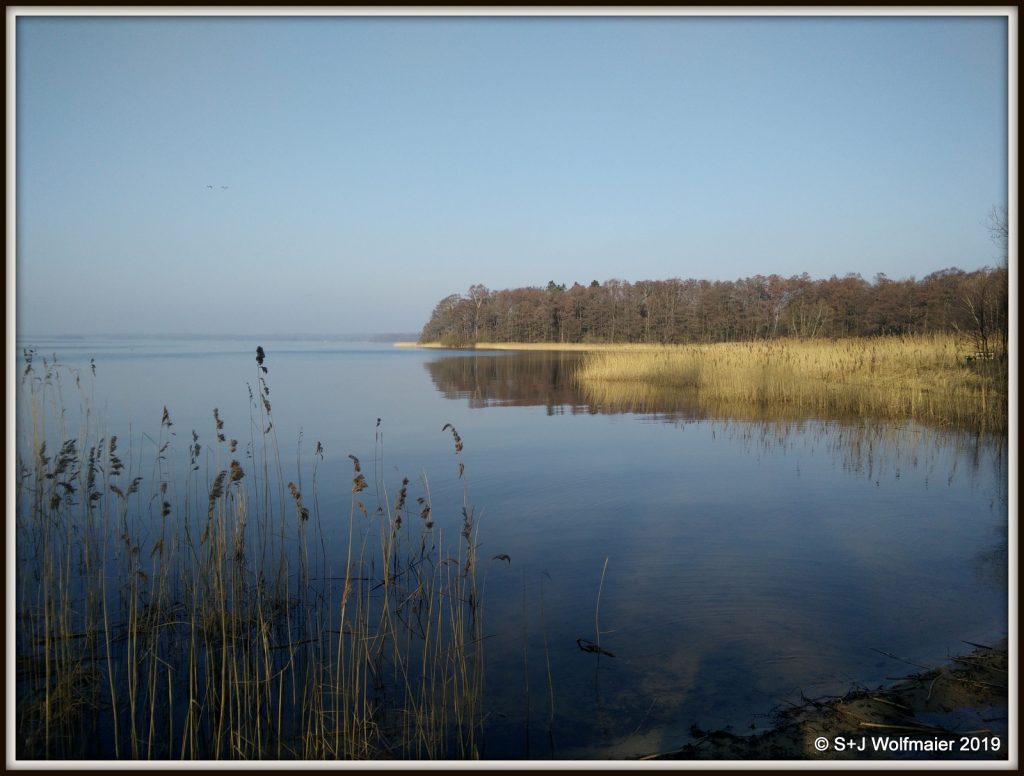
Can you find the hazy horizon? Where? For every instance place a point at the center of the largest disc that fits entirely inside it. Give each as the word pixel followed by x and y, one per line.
pixel 344 174
pixel 279 336
pixel 357 335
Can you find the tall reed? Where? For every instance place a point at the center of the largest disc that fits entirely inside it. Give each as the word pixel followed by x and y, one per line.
pixel 182 604
pixel 932 379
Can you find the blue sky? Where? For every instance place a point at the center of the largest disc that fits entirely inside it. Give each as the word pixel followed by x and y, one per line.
pixel 376 165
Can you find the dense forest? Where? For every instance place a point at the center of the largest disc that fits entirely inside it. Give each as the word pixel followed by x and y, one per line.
pixel 687 311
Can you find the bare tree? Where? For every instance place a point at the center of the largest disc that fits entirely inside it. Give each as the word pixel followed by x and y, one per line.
pixel 478 294
pixel 974 304
pixel 985 295
pixel 999 231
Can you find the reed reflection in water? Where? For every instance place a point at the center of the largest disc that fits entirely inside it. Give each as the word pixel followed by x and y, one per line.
pixel 754 556
pixel 749 558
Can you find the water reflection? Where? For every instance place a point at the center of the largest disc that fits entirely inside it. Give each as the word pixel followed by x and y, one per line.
pixel 512 380
pixel 875 449
pixel 752 557
pixel 755 556
pixel 548 379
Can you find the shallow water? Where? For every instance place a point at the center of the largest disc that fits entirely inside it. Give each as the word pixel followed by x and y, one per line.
pixel 747 561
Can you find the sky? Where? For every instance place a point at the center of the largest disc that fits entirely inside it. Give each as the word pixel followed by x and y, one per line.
pixel 364 168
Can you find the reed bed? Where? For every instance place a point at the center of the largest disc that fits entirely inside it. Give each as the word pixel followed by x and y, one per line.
pixel 186 606
pixel 936 380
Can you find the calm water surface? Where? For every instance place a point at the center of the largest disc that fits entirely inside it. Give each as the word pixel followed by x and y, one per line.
pixel 747 562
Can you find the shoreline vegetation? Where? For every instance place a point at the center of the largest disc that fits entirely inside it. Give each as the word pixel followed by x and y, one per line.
pixel 674 311
pixel 937 379
pixel 182 597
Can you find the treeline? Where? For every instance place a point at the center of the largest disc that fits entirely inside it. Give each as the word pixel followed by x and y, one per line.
pixel 760 307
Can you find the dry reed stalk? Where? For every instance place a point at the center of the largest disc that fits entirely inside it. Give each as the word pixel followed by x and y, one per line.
pixel 894 378
pixel 237 668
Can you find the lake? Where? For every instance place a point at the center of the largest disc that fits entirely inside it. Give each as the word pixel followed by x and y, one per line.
pixel 730 566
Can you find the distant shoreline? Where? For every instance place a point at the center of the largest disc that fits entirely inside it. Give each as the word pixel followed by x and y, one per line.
pixel 299 337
